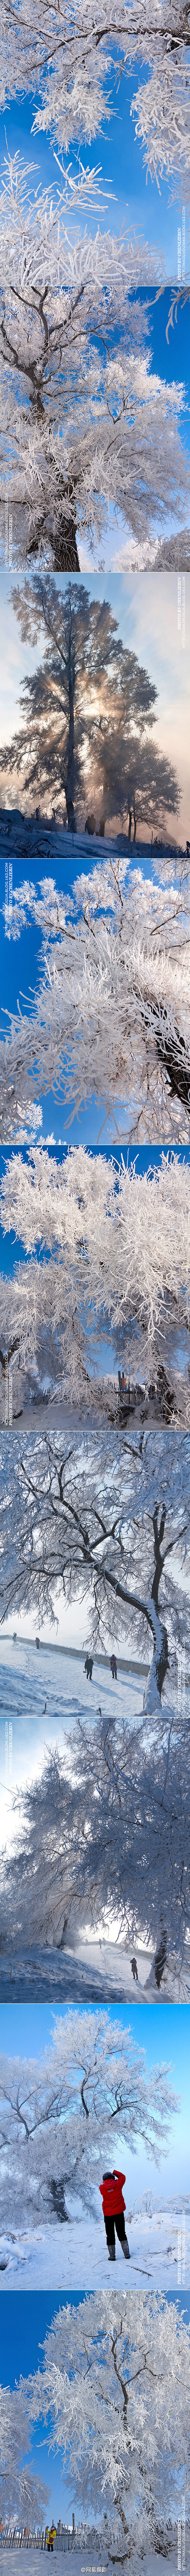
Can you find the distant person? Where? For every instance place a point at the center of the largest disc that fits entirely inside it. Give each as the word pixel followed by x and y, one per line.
pixel 114 2212
pixel 37 1641
pixel 113 1667
pixel 134 1970
pixel 88 1667
pixel 90 825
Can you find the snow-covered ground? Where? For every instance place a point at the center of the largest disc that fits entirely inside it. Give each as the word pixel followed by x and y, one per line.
pixel 75 2256
pixel 81 2560
pixel 98 1971
pixel 84 2565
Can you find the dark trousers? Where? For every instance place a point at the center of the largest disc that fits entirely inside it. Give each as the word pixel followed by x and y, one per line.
pixel 119 2223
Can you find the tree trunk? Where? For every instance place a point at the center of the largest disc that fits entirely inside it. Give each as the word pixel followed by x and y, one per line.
pixel 130 822
pixel 61 1943
pixel 63 545
pixel 69 781
pixel 160 1959
pixel 58 2200
pixel 64 548
pixel 159 1666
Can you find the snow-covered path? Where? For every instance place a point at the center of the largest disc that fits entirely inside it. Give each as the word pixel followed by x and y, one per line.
pixel 75 2256
pixel 97 1971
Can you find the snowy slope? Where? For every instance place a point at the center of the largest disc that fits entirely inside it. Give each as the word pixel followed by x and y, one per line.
pixel 97 1971
pixel 76 2257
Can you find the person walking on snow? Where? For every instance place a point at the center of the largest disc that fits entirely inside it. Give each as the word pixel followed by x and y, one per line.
pixel 114 2212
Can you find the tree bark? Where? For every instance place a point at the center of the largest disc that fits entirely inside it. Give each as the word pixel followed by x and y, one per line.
pixel 63 546
pixel 160 1959
pixel 58 2200
pixel 69 781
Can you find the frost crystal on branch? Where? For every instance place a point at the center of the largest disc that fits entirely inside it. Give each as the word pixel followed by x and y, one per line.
pixel 73 67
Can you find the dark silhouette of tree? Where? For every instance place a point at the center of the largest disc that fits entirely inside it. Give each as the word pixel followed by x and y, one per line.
pixel 89 707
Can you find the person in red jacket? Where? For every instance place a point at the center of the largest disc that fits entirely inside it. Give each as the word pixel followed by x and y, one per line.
pixel 113 2206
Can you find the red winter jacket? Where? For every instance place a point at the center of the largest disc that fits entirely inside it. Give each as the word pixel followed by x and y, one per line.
pixel 112 2195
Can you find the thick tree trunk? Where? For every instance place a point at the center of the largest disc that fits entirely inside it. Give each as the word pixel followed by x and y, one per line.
pixel 69 781
pixel 58 2200
pixel 64 548
pixel 63 545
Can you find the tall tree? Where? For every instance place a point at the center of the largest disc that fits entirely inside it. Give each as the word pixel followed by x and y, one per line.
pixel 104 1521
pixel 101 1847
pixel 88 713
pixel 82 423
pixel 54 2111
pixel 116 2387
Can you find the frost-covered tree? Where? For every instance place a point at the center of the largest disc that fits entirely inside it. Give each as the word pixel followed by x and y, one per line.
pixel 22 2496
pixel 119 1246
pixel 83 422
pixel 61 2115
pixel 116 2387
pixel 88 714
pixel 102 1843
pixel 101 1517
pixel 112 1016
pixel 69 70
